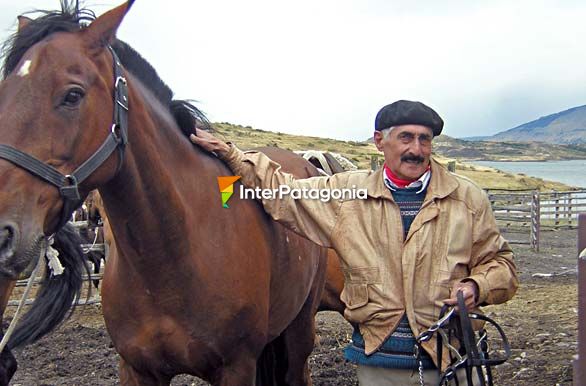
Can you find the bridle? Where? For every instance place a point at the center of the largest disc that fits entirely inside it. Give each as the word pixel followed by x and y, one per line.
pixel 473 353
pixel 68 184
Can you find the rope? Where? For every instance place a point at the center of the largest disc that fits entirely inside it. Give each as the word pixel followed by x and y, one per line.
pixel 86 251
pixel 17 314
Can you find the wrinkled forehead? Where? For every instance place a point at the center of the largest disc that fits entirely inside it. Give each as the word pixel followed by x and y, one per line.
pixel 413 129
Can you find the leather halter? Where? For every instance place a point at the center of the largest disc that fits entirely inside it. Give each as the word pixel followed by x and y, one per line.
pixel 68 184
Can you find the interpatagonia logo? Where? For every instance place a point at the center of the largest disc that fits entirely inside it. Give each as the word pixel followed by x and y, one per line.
pixel 226 185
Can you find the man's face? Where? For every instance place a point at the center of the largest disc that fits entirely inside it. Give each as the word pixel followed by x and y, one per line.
pixel 407 150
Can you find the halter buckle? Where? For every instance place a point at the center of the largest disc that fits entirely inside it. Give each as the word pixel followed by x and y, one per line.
pixel 118 135
pixel 70 190
pixel 119 79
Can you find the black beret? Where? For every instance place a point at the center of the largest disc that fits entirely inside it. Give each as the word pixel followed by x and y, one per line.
pixel 408 113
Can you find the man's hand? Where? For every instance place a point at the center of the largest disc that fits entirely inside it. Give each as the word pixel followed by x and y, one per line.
pixel 469 290
pixel 208 142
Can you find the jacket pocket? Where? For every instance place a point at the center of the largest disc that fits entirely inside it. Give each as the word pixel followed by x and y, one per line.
pixel 357 280
pixel 355 295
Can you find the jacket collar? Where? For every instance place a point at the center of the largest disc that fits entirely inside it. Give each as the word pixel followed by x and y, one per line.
pixel 442 183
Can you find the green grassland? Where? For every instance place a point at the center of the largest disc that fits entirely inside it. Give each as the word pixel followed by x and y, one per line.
pixel 362 153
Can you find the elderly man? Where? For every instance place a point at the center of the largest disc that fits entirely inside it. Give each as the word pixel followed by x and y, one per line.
pixel 421 235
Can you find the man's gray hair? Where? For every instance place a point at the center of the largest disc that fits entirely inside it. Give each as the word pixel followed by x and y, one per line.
pixel 387 131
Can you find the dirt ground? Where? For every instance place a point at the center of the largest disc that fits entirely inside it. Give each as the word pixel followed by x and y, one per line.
pixel 541 323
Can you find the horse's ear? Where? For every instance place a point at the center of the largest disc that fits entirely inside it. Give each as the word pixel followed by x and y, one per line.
pixel 102 31
pixel 23 21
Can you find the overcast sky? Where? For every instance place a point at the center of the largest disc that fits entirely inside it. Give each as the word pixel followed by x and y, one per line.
pixel 325 67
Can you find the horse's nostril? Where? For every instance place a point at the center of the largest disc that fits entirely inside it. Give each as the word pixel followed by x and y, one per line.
pixel 6 241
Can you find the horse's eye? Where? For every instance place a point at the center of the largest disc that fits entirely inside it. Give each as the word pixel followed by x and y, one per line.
pixel 73 97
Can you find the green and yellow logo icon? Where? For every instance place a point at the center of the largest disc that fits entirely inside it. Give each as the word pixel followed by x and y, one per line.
pixel 226 185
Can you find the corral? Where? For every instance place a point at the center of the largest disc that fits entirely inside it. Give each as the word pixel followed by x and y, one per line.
pixel 541 322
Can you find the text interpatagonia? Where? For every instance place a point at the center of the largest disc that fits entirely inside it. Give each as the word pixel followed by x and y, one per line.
pixel 305 193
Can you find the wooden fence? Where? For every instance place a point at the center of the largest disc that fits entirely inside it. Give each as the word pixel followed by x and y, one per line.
pixel 579 363
pixel 93 247
pixel 529 213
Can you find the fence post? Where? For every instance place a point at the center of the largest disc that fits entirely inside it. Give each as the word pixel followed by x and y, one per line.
pixel 579 363
pixel 570 197
pixel 557 209
pixel 374 162
pixel 535 221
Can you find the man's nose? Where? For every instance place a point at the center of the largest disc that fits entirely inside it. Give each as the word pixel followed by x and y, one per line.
pixel 415 147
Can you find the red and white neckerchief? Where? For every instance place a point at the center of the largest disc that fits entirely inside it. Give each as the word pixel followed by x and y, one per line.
pixel 393 182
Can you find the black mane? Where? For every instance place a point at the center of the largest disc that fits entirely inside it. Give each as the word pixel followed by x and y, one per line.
pixel 72 18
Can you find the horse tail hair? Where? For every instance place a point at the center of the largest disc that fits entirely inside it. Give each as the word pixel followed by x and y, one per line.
pixel 57 294
pixel 188 116
pixel 96 259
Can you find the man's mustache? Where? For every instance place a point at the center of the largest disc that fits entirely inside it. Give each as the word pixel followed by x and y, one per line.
pixel 412 158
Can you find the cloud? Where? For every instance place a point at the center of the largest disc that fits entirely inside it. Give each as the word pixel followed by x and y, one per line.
pixel 325 68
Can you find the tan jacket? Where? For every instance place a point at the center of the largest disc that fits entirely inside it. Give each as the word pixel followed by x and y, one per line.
pixel 453 237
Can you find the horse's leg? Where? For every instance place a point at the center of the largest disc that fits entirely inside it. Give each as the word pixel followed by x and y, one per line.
pixel 7 367
pixel 8 363
pixel 97 261
pixel 299 337
pixel 298 341
pixel 240 372
pixel 129 376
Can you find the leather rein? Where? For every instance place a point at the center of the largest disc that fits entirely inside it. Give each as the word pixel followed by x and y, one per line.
pixel 473 353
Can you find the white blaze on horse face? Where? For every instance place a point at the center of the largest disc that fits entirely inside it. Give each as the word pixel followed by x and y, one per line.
pixel 24 69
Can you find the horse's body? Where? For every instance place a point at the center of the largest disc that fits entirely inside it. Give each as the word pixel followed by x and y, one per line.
pixel 193 287
pixel 220 298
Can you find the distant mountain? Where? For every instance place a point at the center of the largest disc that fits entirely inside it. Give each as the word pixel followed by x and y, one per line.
pixel 477 138
pixel 506 151
pixel 565 127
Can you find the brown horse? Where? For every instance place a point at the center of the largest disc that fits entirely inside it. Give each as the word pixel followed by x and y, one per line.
pixel 224 294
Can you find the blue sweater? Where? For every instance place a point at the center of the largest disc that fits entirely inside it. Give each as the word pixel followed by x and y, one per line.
pixel 398 350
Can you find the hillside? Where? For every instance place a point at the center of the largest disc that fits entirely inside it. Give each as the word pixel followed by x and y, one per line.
pixel 565 127
pixel 506 151
pixel 362 153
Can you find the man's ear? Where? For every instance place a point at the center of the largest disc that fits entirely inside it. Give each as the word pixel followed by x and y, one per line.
pixel 378 139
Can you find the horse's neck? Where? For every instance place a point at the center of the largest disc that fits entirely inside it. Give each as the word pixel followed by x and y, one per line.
pixel 152 198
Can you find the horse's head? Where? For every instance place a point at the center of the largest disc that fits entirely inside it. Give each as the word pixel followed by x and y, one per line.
pixel 62 125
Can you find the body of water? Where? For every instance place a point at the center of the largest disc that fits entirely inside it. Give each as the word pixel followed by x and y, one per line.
pixel 572 172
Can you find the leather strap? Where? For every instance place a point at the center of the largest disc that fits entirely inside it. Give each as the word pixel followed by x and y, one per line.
pixel 68 185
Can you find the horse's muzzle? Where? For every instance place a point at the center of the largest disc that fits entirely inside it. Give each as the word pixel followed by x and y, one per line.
pixel 16 252
pixel 7 241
